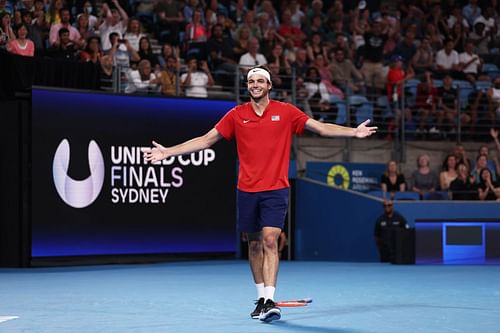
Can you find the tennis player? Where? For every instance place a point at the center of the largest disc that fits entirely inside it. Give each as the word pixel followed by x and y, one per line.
pixel 263 130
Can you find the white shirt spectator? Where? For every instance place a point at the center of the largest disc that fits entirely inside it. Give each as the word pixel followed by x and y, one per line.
pixel 133 39
pixel 136 84
pixel 313 88
pixel 447 60
pixel 473 67
pixel 198 87
pixel 248 60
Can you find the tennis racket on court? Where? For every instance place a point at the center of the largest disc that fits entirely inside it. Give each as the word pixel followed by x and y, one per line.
pixel 294 303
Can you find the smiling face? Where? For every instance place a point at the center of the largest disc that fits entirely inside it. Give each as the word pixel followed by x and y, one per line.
pixel 258 87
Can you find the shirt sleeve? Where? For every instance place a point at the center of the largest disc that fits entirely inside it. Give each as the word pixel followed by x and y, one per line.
pixel 298 119
pixel 225 126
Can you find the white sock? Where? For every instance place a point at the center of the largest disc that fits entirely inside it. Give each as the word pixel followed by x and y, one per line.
pixel 260 290
pixel 269 292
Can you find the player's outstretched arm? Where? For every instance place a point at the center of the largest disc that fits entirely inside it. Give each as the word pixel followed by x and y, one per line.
pixel 332 130
pixel 158 152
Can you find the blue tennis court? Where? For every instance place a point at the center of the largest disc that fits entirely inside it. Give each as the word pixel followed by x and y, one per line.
pixel 216 296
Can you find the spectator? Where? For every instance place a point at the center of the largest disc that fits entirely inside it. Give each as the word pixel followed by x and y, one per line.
pixel 406 48
pixel 146 52
pixel 6 32
pixel 298 16
pixel 494 100
pixel 461 156
pixel 53 12
pixel 458 35
pixel 83 27
pixel 345 75
pixel 35 31
pixel 169 20
pixel 447 60
pixel 424 57
pixel 372 56
pixel 480 37
pixel 89 11
pixel 423 179
pixel 114 20
pixel 435 38
pixel 471 12
pixel 238 11
pixel 316 10
pixel 167 78
pixel 21 45
pixel 271 38
pixel 426 100
pixel 316 47
pixel 470 63
pixel 189 9
pixel 107 79
pixel 447 105
pixel 300 64
pixel 488 188
pixel 143 79
pixel 318 97
pixel 167 50
pixel 278 58
pixel 288 31
pixel 448 172
pixel 266 7
pixel 74 35
pixel 315 27
pixel 222 57
pixel 342 42
pixel 64 48
pixel 252 57
pixel 122 52
pixel 396 77
pixel 195 36
pixel 393 180
pixel 320 62
pixel 385 227
pixel 134 33
pixel 280 88
pixel 462 187
pixel 92 52
pixel 482 163
pixel 457 17
pixel 197 79
pixel 242 42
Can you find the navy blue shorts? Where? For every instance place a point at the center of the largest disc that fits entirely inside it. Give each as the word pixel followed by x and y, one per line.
pixel 262 209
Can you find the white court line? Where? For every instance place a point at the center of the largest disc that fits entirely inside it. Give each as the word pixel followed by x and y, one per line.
pixel 5 318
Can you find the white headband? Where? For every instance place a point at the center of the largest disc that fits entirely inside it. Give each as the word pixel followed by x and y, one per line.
pixel 259 71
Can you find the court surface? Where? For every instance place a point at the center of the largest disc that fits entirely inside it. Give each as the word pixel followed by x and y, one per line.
pixel 217 296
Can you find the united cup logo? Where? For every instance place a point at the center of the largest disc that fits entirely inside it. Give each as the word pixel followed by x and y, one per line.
pixel 78 193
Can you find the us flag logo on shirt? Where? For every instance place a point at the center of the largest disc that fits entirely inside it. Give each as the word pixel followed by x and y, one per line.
pixel 275 118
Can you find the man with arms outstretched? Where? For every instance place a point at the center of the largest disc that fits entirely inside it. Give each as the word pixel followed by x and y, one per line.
pixel 263 130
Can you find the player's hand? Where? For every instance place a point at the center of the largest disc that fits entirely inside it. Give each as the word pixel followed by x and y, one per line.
pixel 155 154
pixel 362 131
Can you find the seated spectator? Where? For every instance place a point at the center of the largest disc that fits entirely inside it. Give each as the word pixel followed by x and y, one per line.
pixel 458 35
pixel 114 21
pixel 447 60
pixel 197 79
pixel 167 78
pixel 470 63
pixel 482 163
pixel 424 179
pixel 406 49
pixel 434 37
pixel 392 180
pixel 321 64
pixel 288 31
pixel 146 52
pixel 461 156
pixel 74 35
pixel 242 41
pixel 316 47
pixel 252 57
pixel 494 101
pixel 122 52
pixel 107 79
pixel 488 189
pixel 385 226
pixel 134 33
pixel 300 63
pixel 447 107
pixel 64 48
pixel 92 52
pixel 448 172
pixel 142 80
pixel 221 52
pixel 6 31
pixel 278 58
pixel 271 38
pixel 426 101
pixel 83 27
pixel 372 56
pixel 480 37
pixel 21 45
pixel 424 57
pixel 345 75
pixel 53 12
pixel 167 50
pixel 280 87
pixel 196 36
pixel 462 187
pixel 169 20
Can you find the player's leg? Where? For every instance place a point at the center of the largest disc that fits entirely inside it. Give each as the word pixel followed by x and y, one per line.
pixel 248 215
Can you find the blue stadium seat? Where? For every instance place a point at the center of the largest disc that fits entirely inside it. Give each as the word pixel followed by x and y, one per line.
pixel 438 195
pixel 483 85
pixel 379 194
pixel 437 83
pixel 463 96
pixel 489 67
pixel 341 113
pixel 364 112
pixel 406 196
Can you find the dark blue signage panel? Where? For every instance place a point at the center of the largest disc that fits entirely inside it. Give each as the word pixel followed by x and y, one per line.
pixel 93 194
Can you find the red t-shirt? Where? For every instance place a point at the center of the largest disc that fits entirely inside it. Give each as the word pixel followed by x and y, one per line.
pixel 394 75
pixel 263 143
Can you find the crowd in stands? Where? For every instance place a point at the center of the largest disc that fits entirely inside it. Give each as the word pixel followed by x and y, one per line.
pixel 331 49
pixel 459 177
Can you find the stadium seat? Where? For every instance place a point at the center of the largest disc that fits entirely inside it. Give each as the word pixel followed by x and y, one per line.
pixel 406 196
pixel 483 85
pixel 489 67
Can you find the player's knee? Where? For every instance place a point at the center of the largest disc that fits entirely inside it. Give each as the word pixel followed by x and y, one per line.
pixel 270 242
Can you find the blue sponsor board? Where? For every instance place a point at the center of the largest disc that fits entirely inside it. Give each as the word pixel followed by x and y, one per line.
pixel 361 177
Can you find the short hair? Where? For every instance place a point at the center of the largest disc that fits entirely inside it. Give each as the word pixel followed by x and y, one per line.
pixel 62 31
